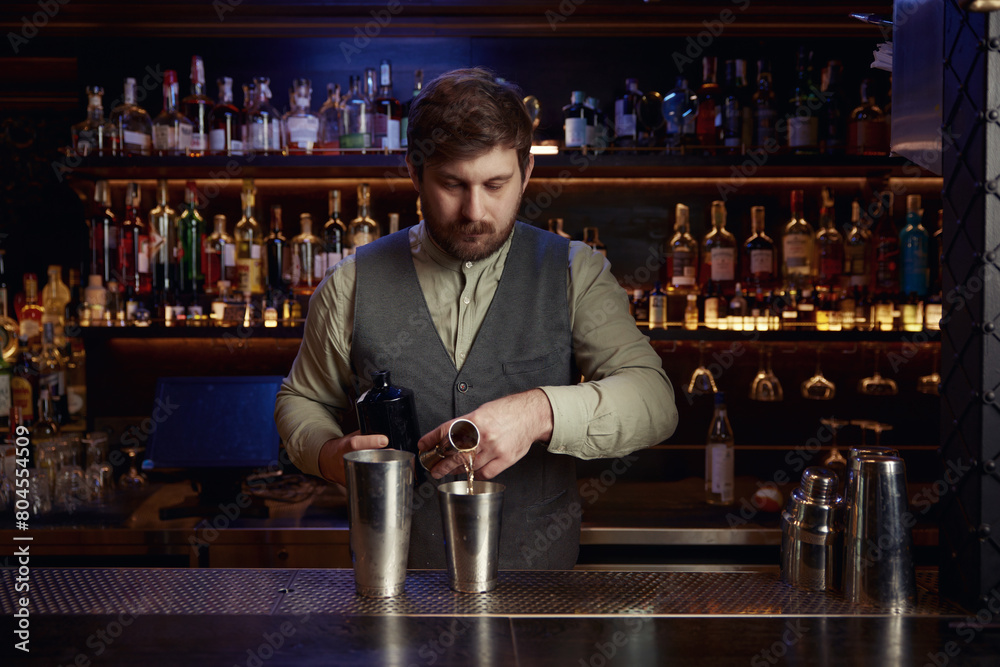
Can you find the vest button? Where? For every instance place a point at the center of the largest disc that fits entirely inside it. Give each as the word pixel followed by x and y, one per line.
pixel 463 387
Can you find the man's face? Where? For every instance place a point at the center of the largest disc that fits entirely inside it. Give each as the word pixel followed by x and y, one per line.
pixel 469 205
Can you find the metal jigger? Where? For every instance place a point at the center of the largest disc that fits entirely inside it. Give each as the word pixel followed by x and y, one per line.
pixel 463 438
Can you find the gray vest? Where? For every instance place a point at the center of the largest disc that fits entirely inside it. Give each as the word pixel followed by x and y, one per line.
pixel 525 342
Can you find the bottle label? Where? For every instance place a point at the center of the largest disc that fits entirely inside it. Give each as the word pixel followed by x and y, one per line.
pixel 761 262
pixel 576 132
pixel 137 141
pixel 721 464
pixel 354 140
pixel 303 131
pixel 360 238
pixel 142 261
pixel 683 274
pixel 624 122
pixel 803 131
pixel 796 248
pixel 228 257
pixel 386 132
pixel 723 264
pixel 199 141
pixel 217 140
pixel 657 310
pixel 319 267
pixel 20 396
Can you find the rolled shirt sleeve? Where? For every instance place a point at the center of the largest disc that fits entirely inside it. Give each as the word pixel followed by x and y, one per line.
pixel 626 401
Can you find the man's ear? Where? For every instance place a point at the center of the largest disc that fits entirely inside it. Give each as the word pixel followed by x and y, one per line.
pixel 413 174
pixel 527 172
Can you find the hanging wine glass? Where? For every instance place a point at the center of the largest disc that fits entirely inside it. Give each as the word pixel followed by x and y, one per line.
pixel 876 385
pixel 818 388
pixel 702 381
pixel 765 385
pixel 931 383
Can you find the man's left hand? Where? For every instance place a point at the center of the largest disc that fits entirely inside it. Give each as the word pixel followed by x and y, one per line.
pixel 507 428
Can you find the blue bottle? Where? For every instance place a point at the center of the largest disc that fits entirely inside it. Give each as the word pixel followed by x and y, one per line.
pixel 913 245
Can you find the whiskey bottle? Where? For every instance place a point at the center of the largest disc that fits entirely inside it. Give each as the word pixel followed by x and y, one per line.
pixel 709 119
pixel 857 250
pixel 334 232
pixel 798 246
pixel 329 122
pixel 803 122
pixel 172 131
pixel 355 133
pixel 829 245
pixel 758 254
pixel 263 121
pixel 190 239
pixel 370 91
pixel 105 234
pixel 680 113
pixel 308 265
pixel 388 112
pixel 765 114
pixel 93 135
pixel 55 296
pixel 867 128
pixel 718 253
pixel 301 125
pixel 163 241
pixel 626 112
pixel 577 118
pixel 197 108
pixel 29 316
pixel 363 229
pixel 682 253
pixel 832 115
pixel 220 256
pixel 885 239
pixel 249 245
pixel 736 122
pixel 132 129
pixel 278 270
pixel 657 308
pixel 226 120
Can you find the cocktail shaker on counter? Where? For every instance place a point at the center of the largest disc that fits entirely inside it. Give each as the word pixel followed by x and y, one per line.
pixel 389 411
pixel 811 533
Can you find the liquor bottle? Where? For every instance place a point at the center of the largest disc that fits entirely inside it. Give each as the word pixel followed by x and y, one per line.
pixel 328 141
pixel 848 305
pixel 577 118
pixel 867 128
pixel 718 253
pixel 52 375
pixel 857 250
pixel 765 114
pixel 226 120
pixel 829 245
pixel 736 121
pixel 833 115
pixel 806 305
pixel 657 308
pixel 74 312
pixel 95 297
pixel 709 119
pixel 55 296
pixel 798 246
pixel 163 241
pixel 556 227
pixel 691 312
pixel 913 242
pixel 334 232
pixel 263 120
pixel 626 116
pixel 719 455
pixel 363 229
pixel 354 130
pixel 276 247
pixel 249 245
pixel 682 253
pixel 105 233
pixel 249 100
pixel 640 306
pixel 592 238
pixel 404 124
pixel 758 254
pixel 131 126
pixel 885 239
pixel 46 427
pixel 220 256
pixel 93 136
pixel 388 112
pixel 370 91
pixel 649 115
pixel 714 309
pixel 301 125
pixel 803 122
pixel 198 107
pixel 29 316
pixel 596 135
pixel 8 325
pixel 190 239
pixel 24 383
pixel 739 313
pixel 308 259
pixel 912 313
pixel 680 112
pixel 172 131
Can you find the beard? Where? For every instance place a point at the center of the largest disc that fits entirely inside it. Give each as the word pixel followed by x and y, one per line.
pixel 469 241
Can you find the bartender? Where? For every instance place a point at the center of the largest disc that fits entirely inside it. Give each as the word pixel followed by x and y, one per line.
pixel 483 317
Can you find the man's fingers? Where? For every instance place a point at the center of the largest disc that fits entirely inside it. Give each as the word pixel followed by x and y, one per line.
pixel 432 439
pixel 361 442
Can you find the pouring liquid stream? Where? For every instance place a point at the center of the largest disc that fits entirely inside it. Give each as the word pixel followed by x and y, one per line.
pixel 470 471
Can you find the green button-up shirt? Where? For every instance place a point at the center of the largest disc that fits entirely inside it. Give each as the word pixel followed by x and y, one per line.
pixel 624 402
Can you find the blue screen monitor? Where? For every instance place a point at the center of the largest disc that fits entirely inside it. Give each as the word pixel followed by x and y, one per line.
pixel 213 422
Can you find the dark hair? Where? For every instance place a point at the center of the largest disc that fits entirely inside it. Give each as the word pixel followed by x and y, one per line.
pixel 463 114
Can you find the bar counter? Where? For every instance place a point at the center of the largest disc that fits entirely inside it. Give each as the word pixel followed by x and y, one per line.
pixel 250 617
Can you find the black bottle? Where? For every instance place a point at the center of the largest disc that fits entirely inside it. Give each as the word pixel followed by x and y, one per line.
pixel 390 411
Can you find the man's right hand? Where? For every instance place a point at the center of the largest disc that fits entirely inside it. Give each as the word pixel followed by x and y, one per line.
pixel 331 456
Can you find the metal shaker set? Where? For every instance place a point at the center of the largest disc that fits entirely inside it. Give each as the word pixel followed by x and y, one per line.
pixel 861 543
